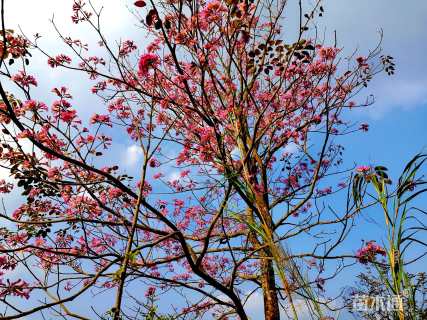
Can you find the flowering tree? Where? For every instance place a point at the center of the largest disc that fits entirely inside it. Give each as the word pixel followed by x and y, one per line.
pixel 246 117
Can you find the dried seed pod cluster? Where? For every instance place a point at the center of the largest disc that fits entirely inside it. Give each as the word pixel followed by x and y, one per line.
pixel 274 54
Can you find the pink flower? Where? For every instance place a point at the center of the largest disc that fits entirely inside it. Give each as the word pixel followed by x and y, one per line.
pixel 95 242
pixel 34 105
pixel 101 119
pixel 100 86
pixel 153 163
pixel 363 169
pixel 68 116
pixel 39 242
pixel 146 189
pixel 127 47
pixel 328 53
pixel 7 263
pixel 184 173
pixel 154 46
pixel 62 93
pixel 150 291
pixel 342 184
pixel 368 252
pixel 317 119
pixel 158 175
pixel 114 193
pixel 147 61
pixel 24 134
pixel 212 11
pixel 18 288
pixel 325 191
pixel 362 62
pixel 25 80
pixel 53 173
pixel 179 203
pixel 58 60
pixel 5 187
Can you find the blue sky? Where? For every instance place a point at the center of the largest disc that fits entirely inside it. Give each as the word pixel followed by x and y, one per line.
pixel 397 120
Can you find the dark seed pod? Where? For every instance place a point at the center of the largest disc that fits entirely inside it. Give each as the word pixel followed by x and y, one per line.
pixel 149 19
pixel 158 24
pixel 139 4
pixel 245 36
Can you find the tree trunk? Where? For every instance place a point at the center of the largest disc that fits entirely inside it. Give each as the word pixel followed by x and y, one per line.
pixel 271 302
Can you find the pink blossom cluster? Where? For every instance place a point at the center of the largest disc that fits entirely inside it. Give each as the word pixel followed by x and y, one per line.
pixel 363 169
pixel 127 47
pixel 79 14
pixel 369 251
pixel 5 187
pixel 59 60
pixel 24 79
pixel 16 46
pixel 146 62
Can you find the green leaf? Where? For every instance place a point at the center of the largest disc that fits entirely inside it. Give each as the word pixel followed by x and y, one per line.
pixel 380 168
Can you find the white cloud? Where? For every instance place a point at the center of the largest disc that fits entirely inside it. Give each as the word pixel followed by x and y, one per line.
pixel 34 16
pixel 117 23
pixel 290 148
pixel 132 155
pixel 403 23
pixel 174 175
pixel 406 94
